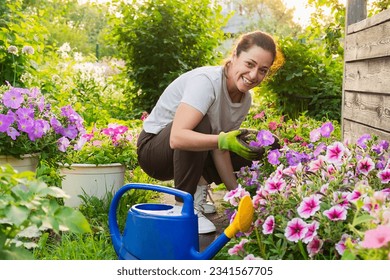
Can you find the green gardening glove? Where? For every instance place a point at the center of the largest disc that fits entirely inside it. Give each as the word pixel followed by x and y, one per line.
pixel 229 141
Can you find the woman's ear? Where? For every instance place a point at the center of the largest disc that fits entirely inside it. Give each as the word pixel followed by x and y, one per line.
pixel 234 54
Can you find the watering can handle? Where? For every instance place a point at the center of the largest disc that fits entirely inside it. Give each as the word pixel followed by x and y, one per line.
pixel 188 204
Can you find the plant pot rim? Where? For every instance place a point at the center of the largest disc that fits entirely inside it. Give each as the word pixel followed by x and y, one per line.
pixel 90 164
pixel 22 156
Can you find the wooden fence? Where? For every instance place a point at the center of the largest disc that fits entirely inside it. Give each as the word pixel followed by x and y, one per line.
pixel 366 85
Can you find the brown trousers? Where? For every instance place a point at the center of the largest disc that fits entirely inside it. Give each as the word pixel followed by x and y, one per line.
pixel 160 162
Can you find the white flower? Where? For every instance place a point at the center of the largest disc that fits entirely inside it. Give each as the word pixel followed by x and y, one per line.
pixel 12 49
pixel 28 50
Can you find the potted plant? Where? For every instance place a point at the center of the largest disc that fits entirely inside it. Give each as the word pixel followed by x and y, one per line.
pixel 98 163
pixel 29 125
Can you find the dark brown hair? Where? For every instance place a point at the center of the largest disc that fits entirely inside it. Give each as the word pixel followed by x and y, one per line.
pixel 262 40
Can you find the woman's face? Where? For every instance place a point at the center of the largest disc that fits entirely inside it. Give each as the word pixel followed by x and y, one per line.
pixel 249 68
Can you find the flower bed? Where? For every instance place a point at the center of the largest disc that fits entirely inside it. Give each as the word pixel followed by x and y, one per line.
pixel 321 200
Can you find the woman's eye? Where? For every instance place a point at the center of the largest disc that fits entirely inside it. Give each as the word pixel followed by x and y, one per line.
pixel 263 71
pixel 249 64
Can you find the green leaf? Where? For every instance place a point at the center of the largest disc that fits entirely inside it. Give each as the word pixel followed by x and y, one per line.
pixel 348 255
pixel 15 253
pixel 17 214
pixel 362 219
pixel 73 219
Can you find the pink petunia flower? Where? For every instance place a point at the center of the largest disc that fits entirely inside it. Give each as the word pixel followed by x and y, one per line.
pixel 335 153
pixel 274 184
pixel 269 225
pixel 314 246
pixel 341 198
pixel 296 230
pixel 316 164
pixel 315 135
pixel 309 206
pixel 235 195
pixel 340 246
pixel 259 115
pixel 311 231
pixel 384 175
pixel 336 213
pixel 376 238
pixel 238 247
pixel 365 165
pixel 354 196
pixel 251 257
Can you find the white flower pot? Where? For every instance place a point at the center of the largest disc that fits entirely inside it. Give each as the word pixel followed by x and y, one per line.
pixel 91 180
pixel 26 163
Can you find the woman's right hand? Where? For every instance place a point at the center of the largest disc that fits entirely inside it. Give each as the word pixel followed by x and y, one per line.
pixel 229 141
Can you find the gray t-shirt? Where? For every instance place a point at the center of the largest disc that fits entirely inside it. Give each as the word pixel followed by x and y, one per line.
pixel 204 89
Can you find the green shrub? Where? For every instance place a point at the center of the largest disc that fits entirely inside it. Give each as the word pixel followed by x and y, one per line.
pixel 28 208
pixel 308 81
pixel 160 39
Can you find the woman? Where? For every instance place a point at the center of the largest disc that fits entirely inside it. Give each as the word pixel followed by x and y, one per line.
pixel 191 134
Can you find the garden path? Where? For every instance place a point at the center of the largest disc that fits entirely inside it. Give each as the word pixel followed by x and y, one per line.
pixel 219 218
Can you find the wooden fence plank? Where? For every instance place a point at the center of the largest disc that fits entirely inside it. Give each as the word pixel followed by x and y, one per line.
pixel 369 22
pixel 353 131
pixel 369 43
pixel 368 108
pixel 368 75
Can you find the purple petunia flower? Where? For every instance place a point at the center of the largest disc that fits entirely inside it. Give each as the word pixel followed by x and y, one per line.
pixel 5 122
pixel 326 129
pixel 26 125
pixel 273 157
pixel 12 132
pixel 63 143
pixel 70 131
pixel 296 230
pixel 363 140
pixel 13 98
pixel 336 213
pixel 264 138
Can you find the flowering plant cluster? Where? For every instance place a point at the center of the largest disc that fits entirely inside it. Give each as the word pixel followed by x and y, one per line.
pixel 29 124
pixel 324 201
pixel 114 143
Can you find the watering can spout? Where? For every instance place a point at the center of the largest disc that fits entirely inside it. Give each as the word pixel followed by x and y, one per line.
pixel 242 221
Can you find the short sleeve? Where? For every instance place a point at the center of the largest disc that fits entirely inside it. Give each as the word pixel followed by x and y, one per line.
pixel 199 93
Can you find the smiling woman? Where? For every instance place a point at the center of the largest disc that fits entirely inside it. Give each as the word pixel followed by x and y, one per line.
pixel 192 131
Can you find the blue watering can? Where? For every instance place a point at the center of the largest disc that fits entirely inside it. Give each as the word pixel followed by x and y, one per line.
pixel 165 232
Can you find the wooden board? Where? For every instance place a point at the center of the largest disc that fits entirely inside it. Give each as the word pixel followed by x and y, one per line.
pixel 369 22
pixel 368 75
pixel 368 108
pixel 373 42
pixel 353 131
